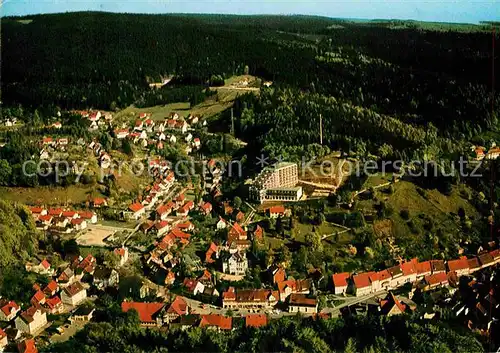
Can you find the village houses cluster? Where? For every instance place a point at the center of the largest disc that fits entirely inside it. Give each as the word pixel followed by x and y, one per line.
pixel 146 132
pixel 424 275
pixel 64 221
pixel 65 292
pixel 164 213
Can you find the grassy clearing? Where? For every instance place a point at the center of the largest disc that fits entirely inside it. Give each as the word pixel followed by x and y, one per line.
pixel 158 113
pixel 74 194
pixel 430 213
pixel 211 106
pixel 235 80
pixel 325 229
pixel 434 204
pixel 378 179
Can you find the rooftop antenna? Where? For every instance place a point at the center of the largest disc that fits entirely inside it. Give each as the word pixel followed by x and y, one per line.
pixel 320 129
pixel 232 122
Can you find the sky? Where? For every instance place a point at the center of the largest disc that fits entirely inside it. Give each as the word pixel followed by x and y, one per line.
pixel 471 11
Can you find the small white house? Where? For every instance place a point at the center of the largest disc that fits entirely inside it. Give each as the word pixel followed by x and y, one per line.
pixel 137 210
pixel 221 224
pixel 121 134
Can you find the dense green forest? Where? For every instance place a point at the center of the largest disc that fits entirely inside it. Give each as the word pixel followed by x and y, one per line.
pixel 102 60
pixel 389 90
pixel 18 235
pixel 118 332
pixel 286 123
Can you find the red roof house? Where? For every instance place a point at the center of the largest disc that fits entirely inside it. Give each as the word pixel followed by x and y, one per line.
pixel 51 288
pixel 436 279
pixel 460 266
pixel 213 249
pixel 148 312
pixel 392 306
pixel 9 309
pixel 340 282
pixel 55 212
pixel 258 233
pixel 276 211
pixel 27 346
pixel 236 233
pixel 206 208
pixel 216 321
pixel 424 268
pixel 255 320
pixel 177 308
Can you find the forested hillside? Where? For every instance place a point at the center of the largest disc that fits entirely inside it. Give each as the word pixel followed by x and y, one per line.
pixel 287 123
pixel 18 235
pixel 104 60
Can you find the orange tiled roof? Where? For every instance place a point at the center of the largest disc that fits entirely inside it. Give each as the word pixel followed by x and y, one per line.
pixel 135 207
pixel 459 264
pixel 409 267
pixel 178 306
pixel 255 320
pixel 423 267
pixel 27 346
pixel 223 322
pixel 277 209
pixel 340 279
pixel 146 311
pixel 7 306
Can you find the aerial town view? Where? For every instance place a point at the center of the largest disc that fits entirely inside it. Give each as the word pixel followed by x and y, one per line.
pixel 234 176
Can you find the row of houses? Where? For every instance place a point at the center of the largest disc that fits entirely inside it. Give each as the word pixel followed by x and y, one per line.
pixel 64 220
pixel 479 306
pixel 482 153
pixel 94 115
pixel 425 275
pixel 165 180
pixel 33 320
pixel 148 133
pixel 179 314
pixel 267 299
pixel 164 258
pixel 50 141
pixel 295 292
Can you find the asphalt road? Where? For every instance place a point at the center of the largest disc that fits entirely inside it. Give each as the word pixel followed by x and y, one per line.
pixel 196 307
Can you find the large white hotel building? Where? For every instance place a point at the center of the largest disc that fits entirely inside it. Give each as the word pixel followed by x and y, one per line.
pixel 277 183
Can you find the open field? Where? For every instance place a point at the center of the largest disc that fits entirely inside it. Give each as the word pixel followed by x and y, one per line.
pixel 73 194
pixel 211 106
pixel 429 213
pixel 94 237
pixel 158 113
pixel 236 81
pixel 435 204
pixel 325 229
pixel 378 179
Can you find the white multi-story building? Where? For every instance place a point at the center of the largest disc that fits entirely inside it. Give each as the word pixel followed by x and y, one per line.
pixel 300 303
pixel 277 183
pixel 74 294
pixel 236 264
pixel 31 321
